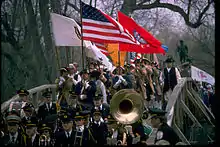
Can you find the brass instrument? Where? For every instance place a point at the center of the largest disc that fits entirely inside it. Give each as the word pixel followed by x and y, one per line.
pixel 127 106
pixel 44 140
pixel 78 138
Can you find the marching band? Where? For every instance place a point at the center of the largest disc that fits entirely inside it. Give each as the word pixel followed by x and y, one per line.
pixel 82 114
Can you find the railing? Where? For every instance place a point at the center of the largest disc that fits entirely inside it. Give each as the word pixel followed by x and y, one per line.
pixel 35 96
pixel 185 111
pixel 188 115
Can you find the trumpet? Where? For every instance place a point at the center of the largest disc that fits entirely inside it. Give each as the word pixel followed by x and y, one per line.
pixel 44 140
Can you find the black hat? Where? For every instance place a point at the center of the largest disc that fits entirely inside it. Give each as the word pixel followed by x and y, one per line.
pixel 169 60
pixel 95 74
pixel 110 119
pixel 32 122
pixel 155 112
pixel 64 69
pixel 137 61
pixel 47 94
pixel 51 118
pixel 23 92
pixel 66 118
pixel 28 107
pixel 13 120
pixel 44 126
pixel 84 71
pixel 97 97
pixel 145 59
pixel 78 116
pixel 85 113
pixel 97 111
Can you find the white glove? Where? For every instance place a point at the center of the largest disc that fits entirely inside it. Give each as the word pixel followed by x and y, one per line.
pixel 87 85
pixel 123 80
pixel 117 84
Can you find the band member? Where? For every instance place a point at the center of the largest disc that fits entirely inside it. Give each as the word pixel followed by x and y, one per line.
pixel 63 77
pixel 82 135
pixel 99 128
pixel 170 78
pixel 65 137
pixel 164 131
pixel 29 112
pixel 23 95
pixel 73 104
pixel 74 75
pixel 14 136
pixel 87 115
pixel 32 136
pixel 119 81
pixel 102 107
pixel 48 108
pixel 45 135
pixel 130 76
pixel 116 135
pixel 147 70
pixel 100 87
pixel 86 89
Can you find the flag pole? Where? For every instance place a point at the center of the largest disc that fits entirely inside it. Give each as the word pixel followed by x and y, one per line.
pixel 67 58
pixel 119 62
pixel 58 61
pixel 82 34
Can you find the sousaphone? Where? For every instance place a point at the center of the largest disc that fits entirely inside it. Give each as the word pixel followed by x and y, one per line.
pixel 127 106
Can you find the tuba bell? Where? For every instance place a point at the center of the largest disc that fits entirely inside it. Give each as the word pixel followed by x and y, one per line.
pixel 127 106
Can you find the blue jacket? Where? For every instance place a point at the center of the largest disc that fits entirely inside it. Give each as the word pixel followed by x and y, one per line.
pixel 90 91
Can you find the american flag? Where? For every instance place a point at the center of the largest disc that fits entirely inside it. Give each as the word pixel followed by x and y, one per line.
pixel 99 27
pixel 102 48
pixel 134 56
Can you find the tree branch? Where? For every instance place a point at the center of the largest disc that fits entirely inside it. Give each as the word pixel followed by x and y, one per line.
pixel 74 6
pixel 177 9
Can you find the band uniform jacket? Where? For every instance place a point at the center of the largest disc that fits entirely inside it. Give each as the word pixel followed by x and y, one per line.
pixel 5 141
pixel 167 133
pixel 100 132
pixel 29 143
pixel 89 92
pixel 44 111
pixel 62 140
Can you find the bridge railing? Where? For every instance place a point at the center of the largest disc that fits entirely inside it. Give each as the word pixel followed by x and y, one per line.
pixel 35 96
pixel 188 115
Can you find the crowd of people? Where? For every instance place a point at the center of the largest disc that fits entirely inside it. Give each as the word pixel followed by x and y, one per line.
pixel 81 114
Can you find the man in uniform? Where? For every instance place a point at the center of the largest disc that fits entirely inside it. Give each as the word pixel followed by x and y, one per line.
pixel 74 75
pixel 29 112
pixel 73 104
pixel 14 137
pixel 46 134
pixel 86 89
pixel 119 80
pixel 164 131
pixel 102 107
pixel 32 137
pixel 48 108
pixel 170 79
pixel 65 137
pixel 99 128
pixel 82 135
pixel 23 95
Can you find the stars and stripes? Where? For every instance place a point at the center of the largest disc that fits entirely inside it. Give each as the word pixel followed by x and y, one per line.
pixel 99 27
pixel 133 58
pixel 102 48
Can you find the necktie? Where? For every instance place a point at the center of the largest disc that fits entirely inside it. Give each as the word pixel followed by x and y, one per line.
pixel 13 139
pixel 68 134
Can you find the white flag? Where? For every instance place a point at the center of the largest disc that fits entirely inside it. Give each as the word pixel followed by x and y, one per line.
pixel 200 75
pixel 96 54
pixel 66 31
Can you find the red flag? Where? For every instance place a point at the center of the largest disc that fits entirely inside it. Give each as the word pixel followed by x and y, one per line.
pixel 148 42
